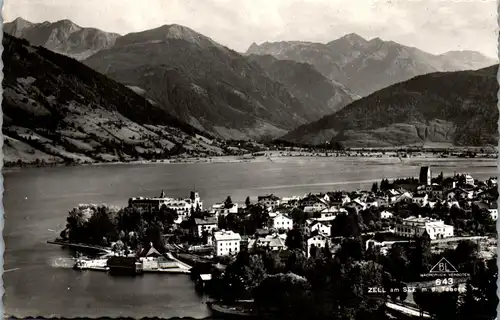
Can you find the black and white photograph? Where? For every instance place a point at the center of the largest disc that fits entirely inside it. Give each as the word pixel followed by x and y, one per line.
pixel 250 159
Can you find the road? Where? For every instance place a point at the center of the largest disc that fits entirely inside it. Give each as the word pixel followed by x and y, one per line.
pixel 407 310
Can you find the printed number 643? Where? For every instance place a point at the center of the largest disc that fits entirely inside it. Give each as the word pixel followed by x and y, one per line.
pixel 448 281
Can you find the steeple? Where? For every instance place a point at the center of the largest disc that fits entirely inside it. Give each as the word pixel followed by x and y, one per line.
pixel 162 194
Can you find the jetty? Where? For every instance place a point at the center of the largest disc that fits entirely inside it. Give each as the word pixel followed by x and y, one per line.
pixel 149 260
pixel 80 245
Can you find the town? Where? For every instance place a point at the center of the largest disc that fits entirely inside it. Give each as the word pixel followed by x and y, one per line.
pixel 433 216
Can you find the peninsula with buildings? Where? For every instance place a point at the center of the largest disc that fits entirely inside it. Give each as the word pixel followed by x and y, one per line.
pixel 393 233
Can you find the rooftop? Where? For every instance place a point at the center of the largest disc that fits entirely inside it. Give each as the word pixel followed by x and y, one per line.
pixel 226 235
pixel 206 220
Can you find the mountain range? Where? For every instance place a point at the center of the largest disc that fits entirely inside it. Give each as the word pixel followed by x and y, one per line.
pixel 63 36
pixel 365 66
pixel 301 91
pixel 303 81
pixel 444 108
pixel 206 84
pixel 57 110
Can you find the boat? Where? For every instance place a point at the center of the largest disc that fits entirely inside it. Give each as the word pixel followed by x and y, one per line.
pixel 230 310
pixel 85 264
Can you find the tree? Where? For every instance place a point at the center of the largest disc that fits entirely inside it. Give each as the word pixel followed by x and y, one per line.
pixel 350 249
pixel 285 296
pixel 167 216
pixel 295 239
pixel 421 254
pixel 101 226
pixel 247 202
pixel 384 185
pixel 298 216
pixel 229 202
pixel 480 300
pixel 240 278
pixel 443 305
pixel 397 263
pixel 76 225
pixel 374 187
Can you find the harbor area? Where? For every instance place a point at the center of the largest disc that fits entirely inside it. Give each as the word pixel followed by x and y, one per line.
pixel 149 260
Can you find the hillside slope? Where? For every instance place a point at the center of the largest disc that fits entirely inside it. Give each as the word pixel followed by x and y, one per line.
pixel 307 84
pixel 56 110
pixel 367 66
pixel 64 37
pixel 203 83
pixel 458 108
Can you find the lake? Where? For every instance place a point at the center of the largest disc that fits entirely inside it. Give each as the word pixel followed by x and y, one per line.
pixel 39 280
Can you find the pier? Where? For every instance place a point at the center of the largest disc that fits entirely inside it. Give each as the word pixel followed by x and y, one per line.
pixel 80 246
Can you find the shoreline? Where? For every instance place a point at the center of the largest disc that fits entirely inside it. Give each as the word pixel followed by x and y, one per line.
pixel 273 156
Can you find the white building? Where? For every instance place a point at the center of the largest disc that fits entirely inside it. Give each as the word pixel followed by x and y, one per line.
pixel 319 241
pixel 290 200
pixel 315 207
pixel 272 242
pixel 270 201
pixel 183 207
pixel 357 204
pixel 469 179
pixel 226 243
pixel 280 221
pixel 412 227
pixel 386 214
pixel 493 211
pixel 420 199
pixel 338 199
pixel 491 207
pixel 220 209
pixel 321 227
pixel 329 214
pixel 205 225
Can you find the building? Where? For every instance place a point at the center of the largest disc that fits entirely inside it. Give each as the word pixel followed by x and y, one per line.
pixel 437 191
pixel 226 243
pixel 270 201
pixel 357 205
pixel 421 199
pixel 280 221
pixel 425 176
pixel 386 215
pixel 459 194
pixel 338 199
pixel 271 242
pixel 318 240
pixel 469 180
pixel 492 208
pixel 329 214
pixel 221 209
pixel 208 224
pixel 315 206
pixel 415 227
pixel 152 259
pixel 183 207
pixel 290 200
pixel 321 227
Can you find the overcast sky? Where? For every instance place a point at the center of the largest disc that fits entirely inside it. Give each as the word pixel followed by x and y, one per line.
pixel 435 26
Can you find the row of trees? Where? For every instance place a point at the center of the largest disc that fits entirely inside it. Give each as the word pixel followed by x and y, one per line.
pixel 102 225
pixel 335 285
pixel 325 285
pixel 246 222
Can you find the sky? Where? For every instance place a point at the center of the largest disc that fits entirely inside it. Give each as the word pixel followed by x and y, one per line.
pixel 435 26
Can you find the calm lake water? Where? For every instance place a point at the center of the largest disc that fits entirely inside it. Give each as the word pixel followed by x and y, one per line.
pixel 36 201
